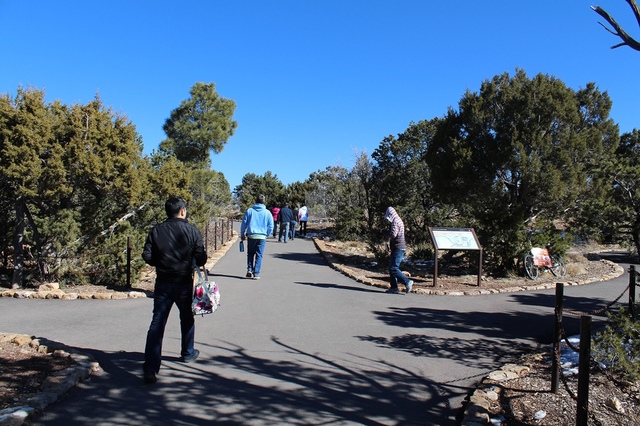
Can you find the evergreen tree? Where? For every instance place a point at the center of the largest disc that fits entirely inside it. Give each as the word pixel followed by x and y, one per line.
pixel 518 153
pixel 200 124
pixel 402 180
pixel 252 185
pixel 612 209
pixel 73 174
pixel 210 196
pixel 26 138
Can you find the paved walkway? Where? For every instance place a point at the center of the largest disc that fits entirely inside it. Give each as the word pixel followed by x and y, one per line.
pixel 304 345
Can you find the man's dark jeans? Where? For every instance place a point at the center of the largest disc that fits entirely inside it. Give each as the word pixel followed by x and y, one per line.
pixel 164 298
pixel 255 250
pixel 395 274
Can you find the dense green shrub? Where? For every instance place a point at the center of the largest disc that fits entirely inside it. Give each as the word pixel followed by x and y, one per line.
pixel 618 346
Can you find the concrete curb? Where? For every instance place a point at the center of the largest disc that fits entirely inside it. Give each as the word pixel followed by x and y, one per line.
pixel 57 294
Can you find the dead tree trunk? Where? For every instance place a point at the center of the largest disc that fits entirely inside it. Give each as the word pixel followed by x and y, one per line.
pixel 18 249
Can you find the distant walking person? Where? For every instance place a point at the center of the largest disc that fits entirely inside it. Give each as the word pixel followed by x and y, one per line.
pixel 257 224
pixel 294 223
pixel 173 247
pixel 274 212
pixel 398 246
pixel 303 217
pixel 285 218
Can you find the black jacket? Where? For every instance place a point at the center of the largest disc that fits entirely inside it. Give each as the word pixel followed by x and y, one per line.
pixel 173 247
pixel 285 215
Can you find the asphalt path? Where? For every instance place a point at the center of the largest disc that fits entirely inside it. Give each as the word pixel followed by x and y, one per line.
pixel 305 345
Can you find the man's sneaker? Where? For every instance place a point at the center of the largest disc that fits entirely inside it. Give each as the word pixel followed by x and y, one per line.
pixel 393 291
pixel 191 358
pixel 150 378
pixel 409 286
pixel 249 274
pixel 256 277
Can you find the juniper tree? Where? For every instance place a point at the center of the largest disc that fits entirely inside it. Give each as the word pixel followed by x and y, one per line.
pixel 200 124
pixel 518 153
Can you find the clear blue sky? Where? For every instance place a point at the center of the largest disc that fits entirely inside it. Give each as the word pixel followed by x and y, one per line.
pixel 315 82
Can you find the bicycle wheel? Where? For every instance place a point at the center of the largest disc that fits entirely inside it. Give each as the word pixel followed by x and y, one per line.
pixel 530 268
pixel 559 269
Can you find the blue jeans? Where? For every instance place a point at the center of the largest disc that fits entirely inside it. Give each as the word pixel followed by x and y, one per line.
pixel 163 299
pixel 255 249
pixel 395 274
pixel 275 229
pixel 292 229
pixel 284 229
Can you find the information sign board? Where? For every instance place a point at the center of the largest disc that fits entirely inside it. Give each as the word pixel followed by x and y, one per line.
pixel 455 238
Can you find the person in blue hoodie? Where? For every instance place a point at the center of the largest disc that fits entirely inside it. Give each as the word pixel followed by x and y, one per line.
pixel 257 224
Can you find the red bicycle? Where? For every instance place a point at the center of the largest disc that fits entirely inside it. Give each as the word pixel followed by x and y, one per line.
pixel 540 259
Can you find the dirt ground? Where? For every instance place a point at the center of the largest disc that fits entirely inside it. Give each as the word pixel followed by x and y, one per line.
pixel 525 400
pixel 23 370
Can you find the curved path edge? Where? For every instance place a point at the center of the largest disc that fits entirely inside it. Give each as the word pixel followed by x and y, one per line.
pixel 616 271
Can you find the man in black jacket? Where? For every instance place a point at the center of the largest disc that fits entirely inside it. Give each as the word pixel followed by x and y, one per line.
pixel 285 217
pixel 173 247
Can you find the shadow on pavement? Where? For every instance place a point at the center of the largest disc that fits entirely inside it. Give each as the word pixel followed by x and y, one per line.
pixel 341 287
pixel 369 392
pixel 308 258
pixel 619 256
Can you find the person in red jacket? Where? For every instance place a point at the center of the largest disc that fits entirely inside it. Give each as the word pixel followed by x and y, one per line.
pixel 275 211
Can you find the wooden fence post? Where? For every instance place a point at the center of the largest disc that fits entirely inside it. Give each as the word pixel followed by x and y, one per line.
pixel 584 363
pixel 632 291
pixel 215 236
pixel 128 262
pixel 206 238
pixel 222 233
pixel 557 337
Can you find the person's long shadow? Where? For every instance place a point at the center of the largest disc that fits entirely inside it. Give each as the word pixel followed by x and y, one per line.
pixel 308 258
pixel 341 287
pixel 216 275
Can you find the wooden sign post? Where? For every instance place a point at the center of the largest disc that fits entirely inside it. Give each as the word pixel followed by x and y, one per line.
pixel 455 239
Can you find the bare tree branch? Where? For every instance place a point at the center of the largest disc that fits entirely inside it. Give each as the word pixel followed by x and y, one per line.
pixel 636 9
pixel 618 31
pixel 122 219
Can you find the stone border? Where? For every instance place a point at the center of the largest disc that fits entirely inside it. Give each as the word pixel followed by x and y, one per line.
pixel 616 271
pixel 55 385
pixel 53 291
pixel 477 409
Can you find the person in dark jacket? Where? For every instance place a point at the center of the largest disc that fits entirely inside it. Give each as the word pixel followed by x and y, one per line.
pixel 293 224
pixel 398 247
pixel 285 217
pixel 174 247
